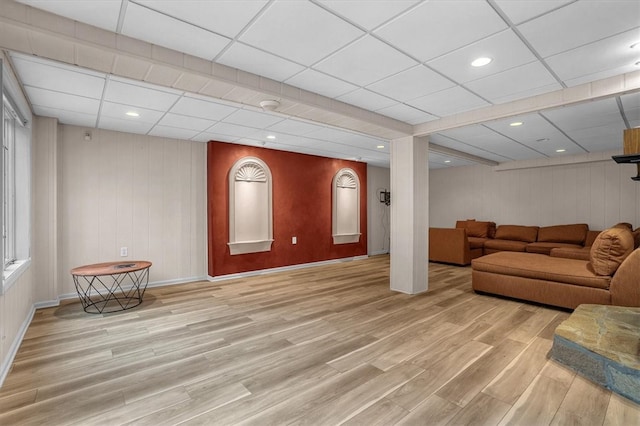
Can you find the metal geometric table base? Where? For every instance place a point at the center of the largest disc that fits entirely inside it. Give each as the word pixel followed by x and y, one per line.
pixel 111 293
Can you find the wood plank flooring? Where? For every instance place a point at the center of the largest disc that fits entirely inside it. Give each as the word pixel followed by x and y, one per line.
pixel 326 345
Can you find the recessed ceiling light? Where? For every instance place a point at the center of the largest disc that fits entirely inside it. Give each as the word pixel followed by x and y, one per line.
pixel 516 124
pixel 447 161
pixel 271 137
pixel 132 114
pixel 560 150
pixel 380 146
pixel 481 62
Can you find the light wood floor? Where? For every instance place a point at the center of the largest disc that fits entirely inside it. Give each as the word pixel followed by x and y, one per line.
pixel 321 346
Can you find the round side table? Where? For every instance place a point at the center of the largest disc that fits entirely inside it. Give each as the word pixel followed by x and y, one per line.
pixel 112 286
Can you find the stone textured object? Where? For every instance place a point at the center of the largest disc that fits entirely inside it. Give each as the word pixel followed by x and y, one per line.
pixel 602 343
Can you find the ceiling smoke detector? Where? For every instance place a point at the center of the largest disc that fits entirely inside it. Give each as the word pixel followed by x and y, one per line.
pixel 269 105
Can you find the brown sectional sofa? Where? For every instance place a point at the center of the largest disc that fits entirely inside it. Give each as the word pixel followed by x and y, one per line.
pixel 452 245
pixel 611 275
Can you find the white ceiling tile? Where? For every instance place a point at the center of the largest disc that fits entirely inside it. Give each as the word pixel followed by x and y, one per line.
pixel 438 27
pixel 173 132
pixel 207 136
pixel 406 113
pixel 257 120
pixel 412 83
pixel 601 59
pixel 144 24
pixel 186 122
pixel 367 99
pixel 448 101
pixel 299 31
pixel 537 133
pixel 523 10
pixel 586 115
pixel 294 127
pixel 119 111
pixel 123 125
pixel 505 48
pixel 223 17
pixel 447 142
pixel 232 130
pixel 365 61
pixel 51 99
pixel 580 23
pixel 188 105
pixel 368 13
pixel 320 83
pixel 599 138
pixel 631 106
pixel 486 139
pixel 61 79
pixel 67 117
pixel 515 83
pixel 99 13
pixel 139 95
pixel 255 61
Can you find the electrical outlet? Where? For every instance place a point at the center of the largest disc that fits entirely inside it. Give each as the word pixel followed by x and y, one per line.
pixel 294 240
pixel 124 252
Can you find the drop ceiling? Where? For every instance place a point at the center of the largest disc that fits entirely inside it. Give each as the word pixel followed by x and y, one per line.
pixel 407 60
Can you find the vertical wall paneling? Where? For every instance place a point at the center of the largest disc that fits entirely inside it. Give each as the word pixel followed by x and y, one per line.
pixel 378 179
pixel 140 192
pixel 600 194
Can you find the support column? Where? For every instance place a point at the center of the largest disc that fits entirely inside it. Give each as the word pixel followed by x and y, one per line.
pixel 409 214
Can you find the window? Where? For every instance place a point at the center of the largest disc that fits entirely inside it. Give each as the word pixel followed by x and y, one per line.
pixel 15 185
pixel 8 188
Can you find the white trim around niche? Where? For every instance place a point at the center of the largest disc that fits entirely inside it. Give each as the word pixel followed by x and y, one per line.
pixel 255 211
pixel 345 207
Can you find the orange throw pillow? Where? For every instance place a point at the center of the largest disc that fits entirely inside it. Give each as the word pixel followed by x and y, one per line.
pixel 610 249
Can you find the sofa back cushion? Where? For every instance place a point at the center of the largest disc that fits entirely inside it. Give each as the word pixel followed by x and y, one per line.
pixel 610 249
pixel 477 228
pixel 481 229
pixel 591 237
pixel 570 234
pixel 528 234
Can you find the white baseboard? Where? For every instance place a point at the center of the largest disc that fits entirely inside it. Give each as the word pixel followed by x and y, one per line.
pixel 13 350
pixel 283 268
pixel 379 252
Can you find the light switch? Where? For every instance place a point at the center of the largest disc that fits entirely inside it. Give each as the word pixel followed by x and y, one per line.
pixel 294 240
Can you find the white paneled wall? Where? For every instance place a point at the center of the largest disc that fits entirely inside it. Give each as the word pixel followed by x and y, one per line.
pixel 600 194
pixel 15 308
pixel 141 192
pixel 378 179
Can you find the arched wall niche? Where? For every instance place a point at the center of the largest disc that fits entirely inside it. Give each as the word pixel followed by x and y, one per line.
pixel 250 207
pixel 346 207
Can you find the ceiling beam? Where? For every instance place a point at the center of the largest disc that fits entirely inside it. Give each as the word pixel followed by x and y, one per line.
pixel 599 89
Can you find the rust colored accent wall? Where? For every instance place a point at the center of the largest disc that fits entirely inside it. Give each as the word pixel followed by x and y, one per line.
pixel 301 208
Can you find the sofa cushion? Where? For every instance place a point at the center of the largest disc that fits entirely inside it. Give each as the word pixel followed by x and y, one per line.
pixel 528 234
pixel 505 245
pixel 541 267
pixel 570 234
pixel 545 248
pixel 636 238
pixel 582 253
pixel 610 249
pixel 476 243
